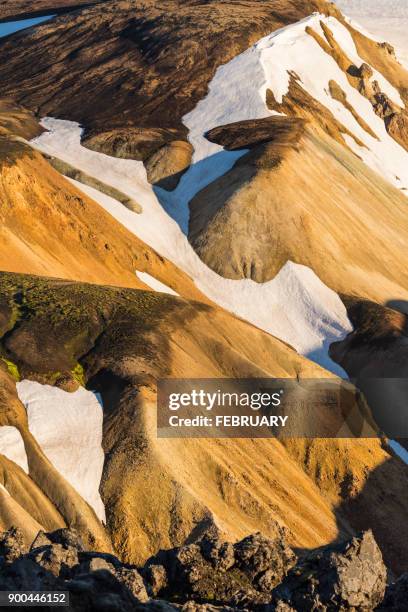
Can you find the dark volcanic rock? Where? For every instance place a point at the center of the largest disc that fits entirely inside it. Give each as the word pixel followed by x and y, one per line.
pixel 57 562
pixel 134 63
pixel 349 576
pixel 247 134
pixel 256 573
pixel 220 572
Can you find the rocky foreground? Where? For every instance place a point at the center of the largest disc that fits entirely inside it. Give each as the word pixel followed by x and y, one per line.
pixel 255 573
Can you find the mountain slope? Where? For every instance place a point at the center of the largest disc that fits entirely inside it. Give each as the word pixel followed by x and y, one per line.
pixel 109 69
pixel 286 158
pixel 125 340
pixel 49 227
pixel 313 202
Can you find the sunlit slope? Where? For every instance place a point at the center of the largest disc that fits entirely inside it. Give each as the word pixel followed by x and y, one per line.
pixel 50 228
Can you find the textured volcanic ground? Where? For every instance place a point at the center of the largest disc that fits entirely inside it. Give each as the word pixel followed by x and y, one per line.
pixel 127 65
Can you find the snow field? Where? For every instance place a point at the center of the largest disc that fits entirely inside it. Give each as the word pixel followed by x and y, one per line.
pixel 68 427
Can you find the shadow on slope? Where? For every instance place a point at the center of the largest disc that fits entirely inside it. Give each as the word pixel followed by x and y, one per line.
pixel 381 505
pixel 401 306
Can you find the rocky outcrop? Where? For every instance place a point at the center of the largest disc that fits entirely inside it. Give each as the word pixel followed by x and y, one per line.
pixel 397 126
pixel 361 77
pixel 338 94
pixel 58 562
pixel 280 131
pixel 166 167
pixel 216 571
pixel 212 574
pixel 350 576
pixel 395 117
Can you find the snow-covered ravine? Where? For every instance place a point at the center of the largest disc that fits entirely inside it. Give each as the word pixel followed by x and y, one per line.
pixel 295 306
pixel 68 427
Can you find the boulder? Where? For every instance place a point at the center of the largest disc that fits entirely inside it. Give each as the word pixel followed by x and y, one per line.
pixel 215 571
pixel 56 558
pixel 397 127
pixel 167 165
pixel 350 576
pixel 282 131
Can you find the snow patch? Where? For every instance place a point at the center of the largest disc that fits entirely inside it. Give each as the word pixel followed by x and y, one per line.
pixel 386 20
pixel 154 284
pixel 295 307
pixel 68 427
pixel 12 446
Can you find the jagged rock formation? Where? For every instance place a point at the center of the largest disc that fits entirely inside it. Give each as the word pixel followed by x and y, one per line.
pixel 345 577
pixel 212 570
pixel 208 575
pixel 360 77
